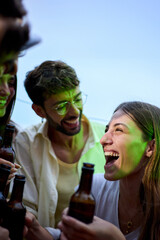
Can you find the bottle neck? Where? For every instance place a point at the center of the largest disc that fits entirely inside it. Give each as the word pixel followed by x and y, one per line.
pixel 86 181
pixel 8 140
pixel 2 129
pixel 17 192
pixel 3 180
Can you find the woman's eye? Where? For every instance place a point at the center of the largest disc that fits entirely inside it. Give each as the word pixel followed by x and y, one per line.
pixel 11 82
pixel 118 130
pixel 106 129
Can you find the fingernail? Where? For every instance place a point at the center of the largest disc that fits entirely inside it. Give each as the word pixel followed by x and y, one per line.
pixel 17 166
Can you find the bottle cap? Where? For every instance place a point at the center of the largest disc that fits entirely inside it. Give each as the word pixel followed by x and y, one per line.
pixel 88 166
pixel 20 177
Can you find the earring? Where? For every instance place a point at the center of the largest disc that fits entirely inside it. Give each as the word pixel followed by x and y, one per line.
pixel 42 120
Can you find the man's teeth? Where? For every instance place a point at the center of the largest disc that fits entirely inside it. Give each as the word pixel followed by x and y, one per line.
pixel 71 121
pixel 112 154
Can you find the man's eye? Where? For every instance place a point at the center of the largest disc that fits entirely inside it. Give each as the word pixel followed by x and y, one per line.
pixel 78 100
pixel 60 107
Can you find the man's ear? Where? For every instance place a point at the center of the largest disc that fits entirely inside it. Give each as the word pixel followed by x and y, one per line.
pixel 38 110
pixel 150 148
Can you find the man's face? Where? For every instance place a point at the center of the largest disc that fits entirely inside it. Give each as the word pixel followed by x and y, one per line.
pixel 64 111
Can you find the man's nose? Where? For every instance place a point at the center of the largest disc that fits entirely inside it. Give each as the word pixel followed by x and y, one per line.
pixel 73 109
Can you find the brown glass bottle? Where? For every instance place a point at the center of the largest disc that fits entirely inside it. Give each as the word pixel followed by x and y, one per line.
pixel 4 173
pixel 82 203
pixel 6 150
pixel 15 217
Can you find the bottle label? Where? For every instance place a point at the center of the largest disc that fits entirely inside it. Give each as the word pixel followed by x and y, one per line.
pixel 82 211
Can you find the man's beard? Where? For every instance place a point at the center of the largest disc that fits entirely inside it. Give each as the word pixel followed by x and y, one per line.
pixel 61 129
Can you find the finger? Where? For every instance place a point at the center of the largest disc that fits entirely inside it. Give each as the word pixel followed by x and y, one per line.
pixel 11 176
pixel 65 211
pixel 3 161
pixel 13 170
pixel 17 166
pixel 73 223
pixel 73 229
pixel 63 237
pixel 25 231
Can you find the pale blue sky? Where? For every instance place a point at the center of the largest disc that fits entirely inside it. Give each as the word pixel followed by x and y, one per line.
pixel 114 46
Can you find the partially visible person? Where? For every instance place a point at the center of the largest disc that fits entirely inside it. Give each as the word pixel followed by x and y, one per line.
pixel 8 85
pixel 128 194
pixel 14 35
pixel 52 153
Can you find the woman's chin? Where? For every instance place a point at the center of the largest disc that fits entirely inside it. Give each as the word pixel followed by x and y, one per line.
pixel 2 112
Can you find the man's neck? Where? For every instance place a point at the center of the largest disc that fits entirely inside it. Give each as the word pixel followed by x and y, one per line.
pixel 68 148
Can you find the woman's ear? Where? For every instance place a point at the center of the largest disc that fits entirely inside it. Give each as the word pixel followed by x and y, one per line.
pixel 150 148
pixel 39 110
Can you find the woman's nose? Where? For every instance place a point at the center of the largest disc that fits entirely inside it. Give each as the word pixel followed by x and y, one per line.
pixel 106 139
pixel 4 89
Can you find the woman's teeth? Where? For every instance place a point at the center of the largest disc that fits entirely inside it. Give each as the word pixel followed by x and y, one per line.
pixel 2 103
pixel 112 154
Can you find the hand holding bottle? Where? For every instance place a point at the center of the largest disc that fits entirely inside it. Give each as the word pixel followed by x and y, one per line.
pixel 14 168
pixel 33 230
pixel 4 234
pixel 98 230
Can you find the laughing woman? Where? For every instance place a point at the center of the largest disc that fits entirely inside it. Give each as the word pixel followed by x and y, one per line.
pixel 8 86
pixel 128 194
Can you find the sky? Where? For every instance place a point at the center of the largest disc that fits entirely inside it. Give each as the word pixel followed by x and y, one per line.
pixel 113 45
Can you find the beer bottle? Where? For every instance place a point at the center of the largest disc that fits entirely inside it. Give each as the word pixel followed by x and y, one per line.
pixel 82 203
pixel 15 216
pixel 6 150
pixel 4 173
pixel 2 129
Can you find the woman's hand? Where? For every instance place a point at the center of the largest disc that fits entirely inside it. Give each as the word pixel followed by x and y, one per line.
pixel 33 230
pixel 98 230
pixel 14 168
pixel 4 234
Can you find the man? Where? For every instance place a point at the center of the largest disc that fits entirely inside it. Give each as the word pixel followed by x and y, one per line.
pixel 51 153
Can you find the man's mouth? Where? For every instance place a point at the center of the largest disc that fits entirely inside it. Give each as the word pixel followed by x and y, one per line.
pixel 111 157
pixel 72 123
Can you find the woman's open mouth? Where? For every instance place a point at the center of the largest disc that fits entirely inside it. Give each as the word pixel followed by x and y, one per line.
pixel 111 157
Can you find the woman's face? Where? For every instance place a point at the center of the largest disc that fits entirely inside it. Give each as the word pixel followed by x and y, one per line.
pixel 123 146
pixel 7 84
pixel 7 92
